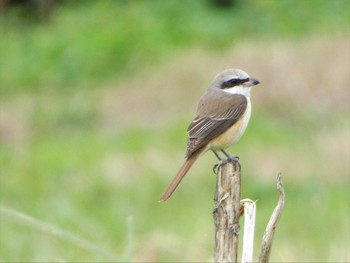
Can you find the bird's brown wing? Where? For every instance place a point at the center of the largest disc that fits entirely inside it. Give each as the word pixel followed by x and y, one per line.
pixel 221 117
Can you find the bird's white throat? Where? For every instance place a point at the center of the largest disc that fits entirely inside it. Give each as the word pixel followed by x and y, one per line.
pixel 239 90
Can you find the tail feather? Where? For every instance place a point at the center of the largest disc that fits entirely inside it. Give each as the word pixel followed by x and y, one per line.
pixel 180 175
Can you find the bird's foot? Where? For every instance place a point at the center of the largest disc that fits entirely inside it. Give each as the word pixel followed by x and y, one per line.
pixel 229 159
pixel 232 159
pixel 216 167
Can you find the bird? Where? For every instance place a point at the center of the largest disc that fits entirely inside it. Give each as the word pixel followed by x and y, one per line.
pixel 223 115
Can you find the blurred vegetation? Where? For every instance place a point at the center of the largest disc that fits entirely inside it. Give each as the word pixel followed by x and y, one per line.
pixel 84 42
pixel 93 108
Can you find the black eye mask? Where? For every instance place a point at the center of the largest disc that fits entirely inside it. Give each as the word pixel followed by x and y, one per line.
pixel 233 82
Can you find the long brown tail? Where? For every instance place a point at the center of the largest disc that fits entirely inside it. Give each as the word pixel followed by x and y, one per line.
pixel 180 175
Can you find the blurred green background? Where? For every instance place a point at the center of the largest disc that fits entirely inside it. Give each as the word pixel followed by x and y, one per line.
pixel 95 98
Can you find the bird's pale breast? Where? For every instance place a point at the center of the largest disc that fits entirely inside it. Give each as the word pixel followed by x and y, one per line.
pixel 233 134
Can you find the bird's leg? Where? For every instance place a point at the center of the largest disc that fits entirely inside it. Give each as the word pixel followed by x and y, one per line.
pixel 216 166
pixel 217 155
pixel 229 157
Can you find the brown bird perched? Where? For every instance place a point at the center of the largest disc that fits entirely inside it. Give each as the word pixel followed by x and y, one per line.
pixel 223 114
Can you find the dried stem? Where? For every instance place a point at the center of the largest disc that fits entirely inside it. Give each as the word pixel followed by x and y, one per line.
pixel 248 231
pixel 271 226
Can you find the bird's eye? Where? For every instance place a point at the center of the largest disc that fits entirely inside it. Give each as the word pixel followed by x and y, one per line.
pixel 233 82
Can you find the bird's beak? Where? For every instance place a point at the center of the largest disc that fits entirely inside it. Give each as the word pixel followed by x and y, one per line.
pixel 252 82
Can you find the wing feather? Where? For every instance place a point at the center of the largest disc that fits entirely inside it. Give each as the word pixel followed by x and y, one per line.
pixel 205 128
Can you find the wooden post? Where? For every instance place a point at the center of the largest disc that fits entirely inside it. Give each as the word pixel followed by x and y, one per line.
pixel 227 211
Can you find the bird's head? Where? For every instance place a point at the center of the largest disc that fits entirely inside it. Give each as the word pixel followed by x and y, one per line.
pixel 234 81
